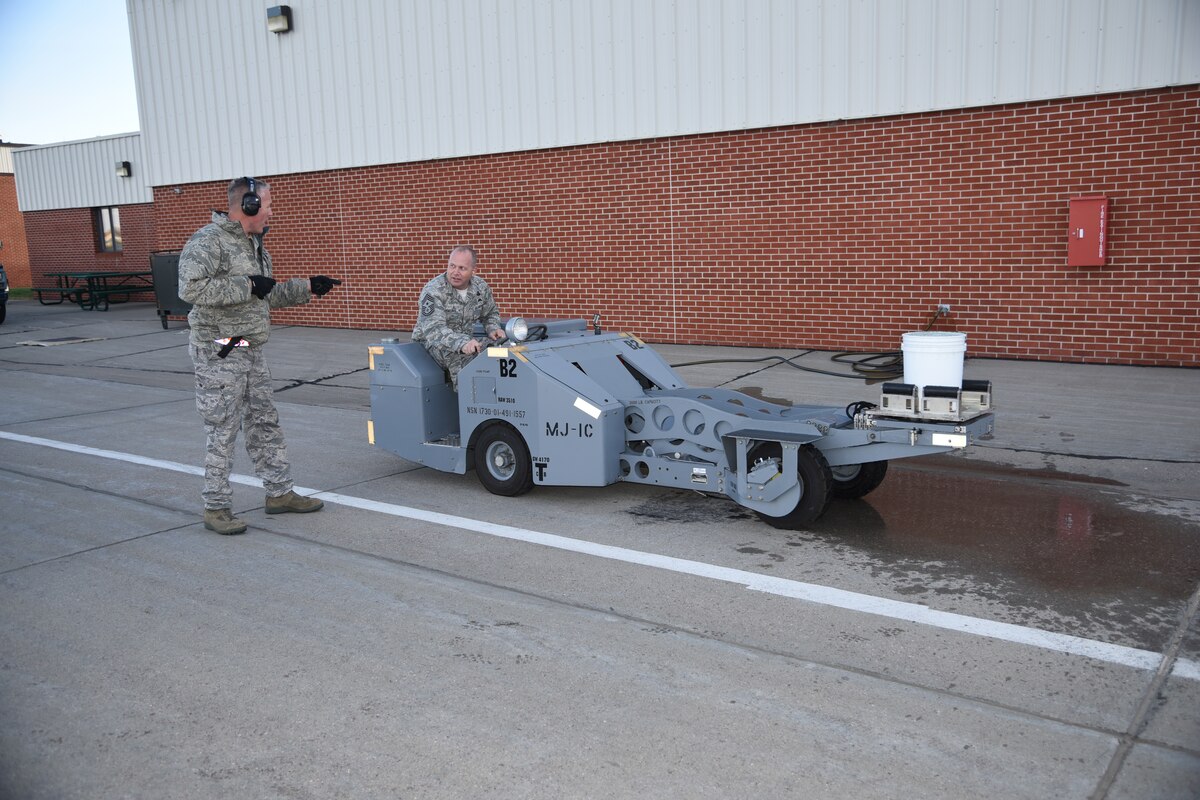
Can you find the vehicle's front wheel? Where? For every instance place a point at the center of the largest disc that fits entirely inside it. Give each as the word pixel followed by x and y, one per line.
pixel 852 481
pixel 502 462
pixel 813 477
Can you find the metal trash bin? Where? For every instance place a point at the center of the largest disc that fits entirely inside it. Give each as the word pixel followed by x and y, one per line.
pixel 165 266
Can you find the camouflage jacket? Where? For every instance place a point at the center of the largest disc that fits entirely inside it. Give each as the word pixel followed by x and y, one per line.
pixel 446 320
pixel 214 270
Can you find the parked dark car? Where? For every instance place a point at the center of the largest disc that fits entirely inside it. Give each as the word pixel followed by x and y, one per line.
pixel 3 293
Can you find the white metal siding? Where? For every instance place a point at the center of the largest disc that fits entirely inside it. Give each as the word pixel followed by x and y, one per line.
pixel 362 82
pixel 6 162
pixel 81 174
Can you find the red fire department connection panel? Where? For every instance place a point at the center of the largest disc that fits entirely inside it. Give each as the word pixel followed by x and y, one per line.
pixel 1087 245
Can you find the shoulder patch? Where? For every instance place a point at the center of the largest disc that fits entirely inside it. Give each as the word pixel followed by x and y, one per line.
pixel 426 305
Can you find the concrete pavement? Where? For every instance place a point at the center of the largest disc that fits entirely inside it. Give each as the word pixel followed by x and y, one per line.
pixel 367 651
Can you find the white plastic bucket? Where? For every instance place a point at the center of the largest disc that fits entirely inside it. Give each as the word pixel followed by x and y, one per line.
pixel 933 358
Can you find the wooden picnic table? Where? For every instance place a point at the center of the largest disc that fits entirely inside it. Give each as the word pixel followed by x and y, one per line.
pixel 95 289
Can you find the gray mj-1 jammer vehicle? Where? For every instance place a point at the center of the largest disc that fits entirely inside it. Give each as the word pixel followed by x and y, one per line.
pixel 569 406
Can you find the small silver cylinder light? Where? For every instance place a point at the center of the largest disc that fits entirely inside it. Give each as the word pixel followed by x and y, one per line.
pixel 516 329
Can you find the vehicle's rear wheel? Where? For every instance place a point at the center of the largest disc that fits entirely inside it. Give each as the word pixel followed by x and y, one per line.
pixel 851 481
pixel 502 461
pixel 812 472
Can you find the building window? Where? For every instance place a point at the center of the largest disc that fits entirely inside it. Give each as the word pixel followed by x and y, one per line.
pixel 108 229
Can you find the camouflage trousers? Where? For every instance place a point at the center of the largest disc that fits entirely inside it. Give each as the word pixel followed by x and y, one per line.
pixel 450 360
pixel 232 394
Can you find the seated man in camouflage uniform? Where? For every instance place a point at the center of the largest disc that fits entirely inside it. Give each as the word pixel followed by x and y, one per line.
pixel 225 273
pixel 450 306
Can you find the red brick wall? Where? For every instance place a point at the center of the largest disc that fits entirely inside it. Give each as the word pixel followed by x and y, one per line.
pixel 828 236
pixel 14 252
pixel 65 240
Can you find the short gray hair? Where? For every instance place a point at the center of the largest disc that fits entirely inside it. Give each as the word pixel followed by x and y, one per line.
pixel 465 248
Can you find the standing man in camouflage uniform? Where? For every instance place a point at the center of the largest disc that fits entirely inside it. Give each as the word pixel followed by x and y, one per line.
pixel 450 306
pixel 225 273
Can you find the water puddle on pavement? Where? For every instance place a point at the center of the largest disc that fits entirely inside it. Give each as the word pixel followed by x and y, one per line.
pixel 1035 549
pixel 1060 537
pixel 1071 552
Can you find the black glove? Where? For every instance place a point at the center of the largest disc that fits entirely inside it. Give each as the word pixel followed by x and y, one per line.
pixel 262 286
pixel 321 284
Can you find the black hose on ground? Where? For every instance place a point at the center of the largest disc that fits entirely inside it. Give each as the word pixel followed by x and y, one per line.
pixel 866 365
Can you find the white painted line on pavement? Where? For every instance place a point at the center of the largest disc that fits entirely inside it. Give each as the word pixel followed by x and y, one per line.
pixel 810 592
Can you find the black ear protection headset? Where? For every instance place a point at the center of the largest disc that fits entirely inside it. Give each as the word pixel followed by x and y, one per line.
pixel 251 202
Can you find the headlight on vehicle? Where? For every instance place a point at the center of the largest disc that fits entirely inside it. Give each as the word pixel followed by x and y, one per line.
pixel 516 329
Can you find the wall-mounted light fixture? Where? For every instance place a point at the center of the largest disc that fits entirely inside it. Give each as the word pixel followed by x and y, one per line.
pixel 123 169
pixel 279 19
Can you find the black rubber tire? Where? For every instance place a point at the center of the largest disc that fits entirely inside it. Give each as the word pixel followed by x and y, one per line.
pixel 857 480
pixel 502 461
pixel 3 312
pixel 815 481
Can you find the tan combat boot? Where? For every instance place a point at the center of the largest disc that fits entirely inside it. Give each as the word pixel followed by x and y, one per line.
pixel 223 521
pixel 293 503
